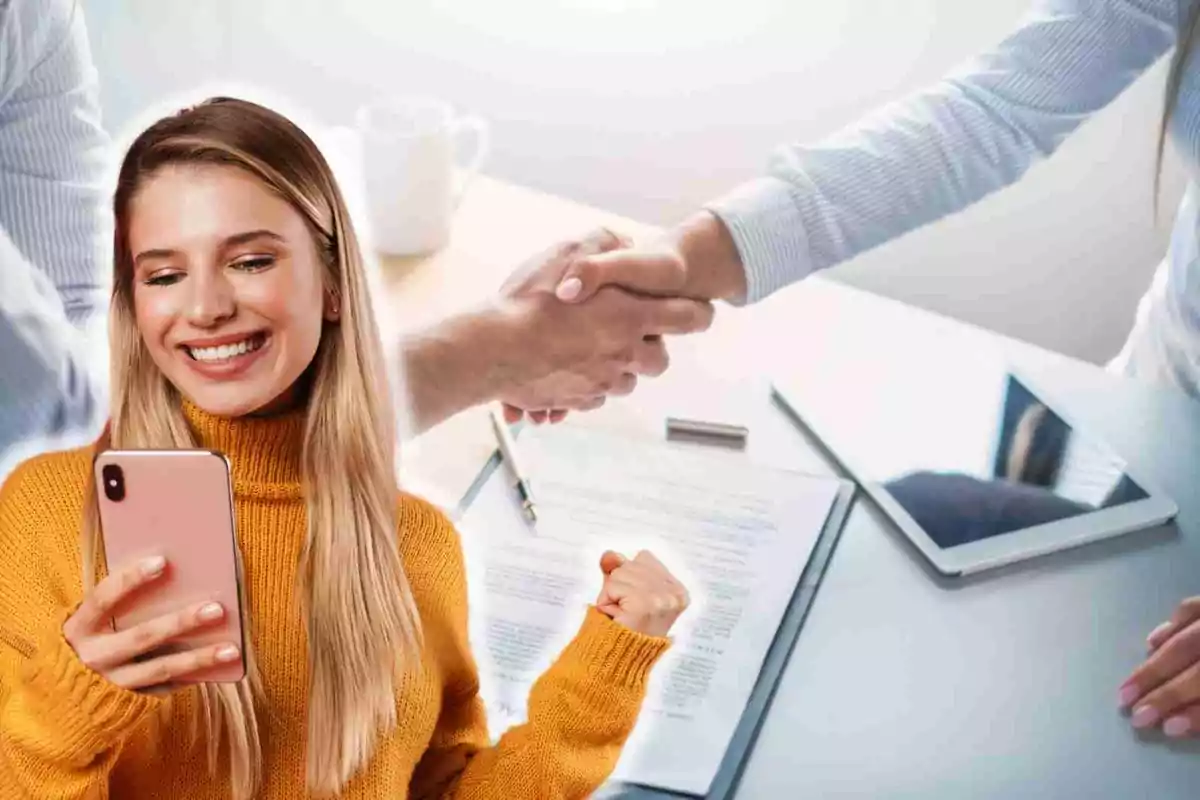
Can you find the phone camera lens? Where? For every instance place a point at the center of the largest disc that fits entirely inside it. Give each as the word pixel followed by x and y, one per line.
pixel 114 482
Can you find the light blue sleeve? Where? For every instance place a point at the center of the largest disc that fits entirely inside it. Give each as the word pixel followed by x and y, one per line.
pixel 52 152
pixel 940 150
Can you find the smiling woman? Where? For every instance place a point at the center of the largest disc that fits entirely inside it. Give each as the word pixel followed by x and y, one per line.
pixel 241 323
pixel 209 243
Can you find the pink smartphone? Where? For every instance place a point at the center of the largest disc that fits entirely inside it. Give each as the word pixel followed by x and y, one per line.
pixel 177 504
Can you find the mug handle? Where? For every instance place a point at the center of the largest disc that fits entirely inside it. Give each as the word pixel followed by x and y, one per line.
pixel 478 127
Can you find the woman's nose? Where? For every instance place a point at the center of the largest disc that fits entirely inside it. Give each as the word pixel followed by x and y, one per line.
pixel 212 300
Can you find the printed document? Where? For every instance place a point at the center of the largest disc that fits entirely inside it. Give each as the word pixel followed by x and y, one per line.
pixel 736 534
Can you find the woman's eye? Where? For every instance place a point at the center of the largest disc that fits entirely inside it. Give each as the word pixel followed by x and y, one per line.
pixel 163 278
pixel 254 264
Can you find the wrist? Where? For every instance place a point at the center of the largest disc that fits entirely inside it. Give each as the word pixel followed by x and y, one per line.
pixel 711 259
pixel 88 714
pixel 614 653
pixel 510 344
pixel 465 361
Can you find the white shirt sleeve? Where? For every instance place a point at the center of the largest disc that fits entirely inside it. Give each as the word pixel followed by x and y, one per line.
pixel 944 148
pixel 52 158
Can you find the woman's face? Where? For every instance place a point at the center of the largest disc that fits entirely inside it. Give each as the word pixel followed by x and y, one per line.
pixel 227 287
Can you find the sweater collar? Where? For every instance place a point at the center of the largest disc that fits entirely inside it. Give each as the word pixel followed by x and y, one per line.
pixel 264 452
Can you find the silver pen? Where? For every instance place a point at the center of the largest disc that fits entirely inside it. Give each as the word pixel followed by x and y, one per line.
pixel 508 449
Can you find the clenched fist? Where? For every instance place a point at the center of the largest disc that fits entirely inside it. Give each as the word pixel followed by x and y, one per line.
pixel 640 594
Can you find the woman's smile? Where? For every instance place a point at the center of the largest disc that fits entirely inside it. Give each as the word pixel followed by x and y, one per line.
pixel 225 357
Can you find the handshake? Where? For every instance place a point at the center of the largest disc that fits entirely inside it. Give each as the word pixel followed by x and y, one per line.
pixel 588 318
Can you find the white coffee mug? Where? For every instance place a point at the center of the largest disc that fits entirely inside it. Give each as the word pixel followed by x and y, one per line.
pixel 410 171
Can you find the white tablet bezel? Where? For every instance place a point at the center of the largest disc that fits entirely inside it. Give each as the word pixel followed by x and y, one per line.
pixel 1020 545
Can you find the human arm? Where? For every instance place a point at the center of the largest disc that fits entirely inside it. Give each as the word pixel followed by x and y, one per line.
pixel 527 347
pixel 923 158
pixel 580 711
pixel 60 723
pixel 71 688
pixel 45 385
pixel 52 152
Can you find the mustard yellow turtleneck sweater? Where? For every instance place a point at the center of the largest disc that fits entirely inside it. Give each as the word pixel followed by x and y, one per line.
pixel 66 732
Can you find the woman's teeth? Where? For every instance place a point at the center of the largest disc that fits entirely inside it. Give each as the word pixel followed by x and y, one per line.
pixel 225 352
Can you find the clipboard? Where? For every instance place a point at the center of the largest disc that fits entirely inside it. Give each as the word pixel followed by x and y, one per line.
pixel 725 782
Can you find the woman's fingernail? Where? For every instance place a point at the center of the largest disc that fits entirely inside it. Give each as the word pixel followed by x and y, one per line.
pixel 1144 717
pixel 1177 726
pixel 569 289
pixel 1160 630
pixel 153 565
pixel 1128 695
pixel 227 653
pixel 211 611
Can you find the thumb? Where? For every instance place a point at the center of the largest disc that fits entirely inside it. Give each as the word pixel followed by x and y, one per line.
pixel 648 272
pixel 609 602
pixel 610 561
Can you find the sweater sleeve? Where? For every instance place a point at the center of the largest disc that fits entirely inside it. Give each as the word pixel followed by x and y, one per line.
pixel 61 724
pixel 580 713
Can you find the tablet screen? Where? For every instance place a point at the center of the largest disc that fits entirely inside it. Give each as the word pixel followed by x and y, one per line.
pixel 971 468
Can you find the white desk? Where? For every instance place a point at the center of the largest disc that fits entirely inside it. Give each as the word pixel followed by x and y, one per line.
pixel 901 684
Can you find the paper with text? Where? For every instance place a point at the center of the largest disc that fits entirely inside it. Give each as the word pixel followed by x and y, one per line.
pixel 737 535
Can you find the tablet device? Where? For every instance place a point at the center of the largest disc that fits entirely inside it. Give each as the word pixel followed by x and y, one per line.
pixel 978 467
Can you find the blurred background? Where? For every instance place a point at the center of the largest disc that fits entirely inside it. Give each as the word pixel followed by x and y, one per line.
pixel 650 107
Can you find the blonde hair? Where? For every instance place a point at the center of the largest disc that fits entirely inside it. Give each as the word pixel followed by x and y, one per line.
pixel 363 628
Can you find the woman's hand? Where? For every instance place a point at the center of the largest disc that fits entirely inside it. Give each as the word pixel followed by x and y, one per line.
pixel 640 594
pixel 115 655
pixel 1165 689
